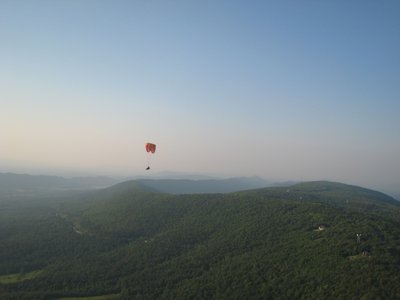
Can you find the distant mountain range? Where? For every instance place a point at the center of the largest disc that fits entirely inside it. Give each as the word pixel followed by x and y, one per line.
pixel 25 185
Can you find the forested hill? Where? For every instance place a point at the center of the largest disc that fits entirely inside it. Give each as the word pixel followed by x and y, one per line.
pixel 328 192
pixel 317 240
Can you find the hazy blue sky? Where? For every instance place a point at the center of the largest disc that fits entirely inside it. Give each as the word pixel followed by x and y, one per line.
pixel 296 89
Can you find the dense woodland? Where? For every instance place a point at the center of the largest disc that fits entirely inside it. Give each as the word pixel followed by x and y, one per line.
pixel 316 240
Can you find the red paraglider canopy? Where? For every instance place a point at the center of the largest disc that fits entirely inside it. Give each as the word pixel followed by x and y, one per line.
pixel 150 147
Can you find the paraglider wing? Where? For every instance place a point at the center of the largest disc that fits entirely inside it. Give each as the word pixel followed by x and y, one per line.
pixel 150 147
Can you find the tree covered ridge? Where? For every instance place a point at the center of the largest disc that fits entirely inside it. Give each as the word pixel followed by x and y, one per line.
pixel 259 244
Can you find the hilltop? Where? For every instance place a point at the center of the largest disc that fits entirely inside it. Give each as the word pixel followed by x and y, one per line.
pixel 316 240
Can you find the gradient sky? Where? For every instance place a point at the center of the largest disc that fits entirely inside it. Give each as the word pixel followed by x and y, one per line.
pixel 300 90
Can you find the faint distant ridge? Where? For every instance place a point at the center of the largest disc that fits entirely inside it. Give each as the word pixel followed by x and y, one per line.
pixel 12 184
pixel 200 186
